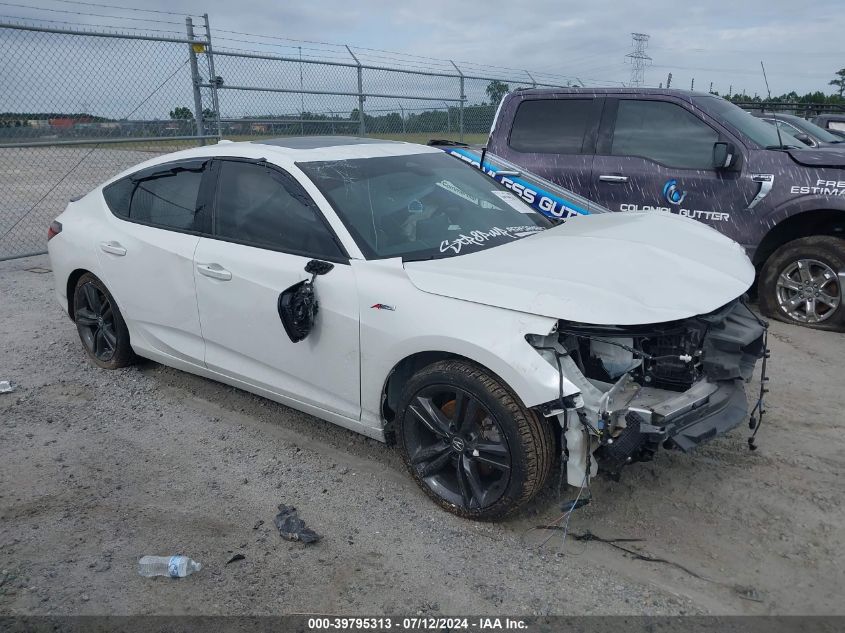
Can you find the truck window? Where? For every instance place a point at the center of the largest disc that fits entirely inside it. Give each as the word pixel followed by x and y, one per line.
pixel 551 126
pixel 663 132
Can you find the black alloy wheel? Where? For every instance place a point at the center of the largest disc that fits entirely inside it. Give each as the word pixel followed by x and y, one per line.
pixel 95 321
pixel 469 442
pixel 101 327
pixel 458 447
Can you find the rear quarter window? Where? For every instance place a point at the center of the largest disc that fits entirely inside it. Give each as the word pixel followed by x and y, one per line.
pixel 118 195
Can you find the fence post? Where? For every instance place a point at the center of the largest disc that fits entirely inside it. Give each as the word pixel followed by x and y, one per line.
pixel 195 80
pixel 362 131
pixel 463 98
pixel 215 103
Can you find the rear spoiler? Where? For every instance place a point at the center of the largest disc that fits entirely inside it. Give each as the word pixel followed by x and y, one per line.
pixel 543 195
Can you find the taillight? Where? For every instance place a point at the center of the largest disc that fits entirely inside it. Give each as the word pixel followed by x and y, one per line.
pixel 54 230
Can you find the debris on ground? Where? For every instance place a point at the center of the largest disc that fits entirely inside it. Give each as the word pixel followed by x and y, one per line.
pixel 235 558
pixel 173 566
pixel 293 528
pixel 748 593
pixel 6 386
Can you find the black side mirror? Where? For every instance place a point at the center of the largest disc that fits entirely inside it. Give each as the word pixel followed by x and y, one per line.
pixel 805 138
pixel 316 267
pixel 298 305
pixel 724 155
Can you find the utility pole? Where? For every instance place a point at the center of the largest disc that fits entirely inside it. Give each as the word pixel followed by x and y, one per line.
pixel 731 89
pixel 639 58
pixel 669 81
pixel 711 87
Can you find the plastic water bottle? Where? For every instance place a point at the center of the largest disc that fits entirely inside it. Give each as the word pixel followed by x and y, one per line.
pixel 173 566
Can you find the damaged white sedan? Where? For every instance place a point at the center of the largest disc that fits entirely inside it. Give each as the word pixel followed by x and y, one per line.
pixel 397 292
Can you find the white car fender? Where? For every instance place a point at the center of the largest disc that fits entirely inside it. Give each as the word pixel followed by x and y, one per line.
pixel 77 221
pixel 464 330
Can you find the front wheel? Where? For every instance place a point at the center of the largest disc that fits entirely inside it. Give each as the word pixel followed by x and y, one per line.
pixel 801 283
pixel 469 443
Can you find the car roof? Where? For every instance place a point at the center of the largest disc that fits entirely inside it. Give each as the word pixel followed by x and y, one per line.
pixel 686 95
pixel 831 117
pixel 287 151
pixel 318 142
pixel 778 115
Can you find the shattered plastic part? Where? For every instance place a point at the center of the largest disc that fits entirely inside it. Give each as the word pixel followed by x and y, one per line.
pixel 293 528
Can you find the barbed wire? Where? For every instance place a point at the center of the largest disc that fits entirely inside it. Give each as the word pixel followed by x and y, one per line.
pixel 115 29
pixel 114 6
pixel 84 13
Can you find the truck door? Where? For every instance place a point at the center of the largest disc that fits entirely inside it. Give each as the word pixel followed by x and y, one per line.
pixel 653 154
pixel 552 137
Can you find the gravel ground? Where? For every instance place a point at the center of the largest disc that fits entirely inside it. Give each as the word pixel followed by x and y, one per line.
pixel 98 468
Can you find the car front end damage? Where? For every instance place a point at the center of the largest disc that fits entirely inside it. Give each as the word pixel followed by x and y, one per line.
pixel 637 388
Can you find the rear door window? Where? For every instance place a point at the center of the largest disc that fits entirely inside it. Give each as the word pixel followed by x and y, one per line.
pixel 663 132
pixel 551 126
pixel 168 201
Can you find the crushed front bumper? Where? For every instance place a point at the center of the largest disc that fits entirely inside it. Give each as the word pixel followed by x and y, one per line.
pixel 688 419
pixel 649 406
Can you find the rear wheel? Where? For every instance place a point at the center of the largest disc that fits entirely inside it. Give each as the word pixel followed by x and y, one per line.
pixel 469 443
pixel 800 283
pixel 101 327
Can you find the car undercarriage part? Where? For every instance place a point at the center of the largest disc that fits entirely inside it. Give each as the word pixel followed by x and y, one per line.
pixel 298 304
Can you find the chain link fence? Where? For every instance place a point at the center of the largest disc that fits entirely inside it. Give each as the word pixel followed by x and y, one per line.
pixel 79 106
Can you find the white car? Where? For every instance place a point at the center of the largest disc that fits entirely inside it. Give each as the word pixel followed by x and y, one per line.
pixel 395 291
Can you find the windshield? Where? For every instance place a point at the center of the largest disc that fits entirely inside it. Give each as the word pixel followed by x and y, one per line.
pixel 422 206
pixel 756 129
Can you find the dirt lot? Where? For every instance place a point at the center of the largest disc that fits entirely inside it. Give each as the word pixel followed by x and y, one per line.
pixel 98 468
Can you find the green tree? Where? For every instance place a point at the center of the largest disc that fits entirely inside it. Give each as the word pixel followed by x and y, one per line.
pixel 839 82
pixel 496 90
pixel 207 114
pixel 181 112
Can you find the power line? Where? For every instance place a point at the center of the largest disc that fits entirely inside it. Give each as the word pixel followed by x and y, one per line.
pixel 87 25
pixel 96 15
pixel 114 6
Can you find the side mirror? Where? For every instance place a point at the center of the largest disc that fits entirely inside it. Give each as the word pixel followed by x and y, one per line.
pixel 316 267
pixel 298 305
pixel 805 138
pixel 724 155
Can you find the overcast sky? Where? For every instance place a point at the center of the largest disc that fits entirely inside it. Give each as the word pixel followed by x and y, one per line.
pixel 801 43
pixel 715 41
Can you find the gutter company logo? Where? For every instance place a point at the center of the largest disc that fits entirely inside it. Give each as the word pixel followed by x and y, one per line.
pixel 672 194
pixel 383 306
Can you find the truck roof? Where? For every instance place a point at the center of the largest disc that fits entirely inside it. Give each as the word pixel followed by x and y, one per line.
pixel 682 94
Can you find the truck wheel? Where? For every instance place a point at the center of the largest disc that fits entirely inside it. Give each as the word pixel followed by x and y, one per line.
pixel 800 283
pixel 469 443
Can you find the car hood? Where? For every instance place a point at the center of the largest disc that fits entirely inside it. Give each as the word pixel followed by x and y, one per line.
pixel 607 269
pixel 832 155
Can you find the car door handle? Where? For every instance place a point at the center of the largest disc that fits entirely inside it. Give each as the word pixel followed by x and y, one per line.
pixel 114 248
pixel 215 271
pixel 613 178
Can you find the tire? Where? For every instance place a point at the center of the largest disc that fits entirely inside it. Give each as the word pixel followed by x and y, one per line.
pixel 801 270
pixel 469 442
pixel 100 324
